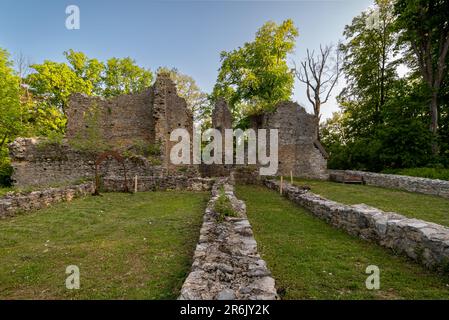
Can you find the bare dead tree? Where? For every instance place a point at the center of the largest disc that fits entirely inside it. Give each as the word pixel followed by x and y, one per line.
pixel 22 64
pixel 320 74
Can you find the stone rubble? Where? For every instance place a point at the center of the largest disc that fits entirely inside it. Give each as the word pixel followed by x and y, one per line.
pixel 226 263
pixel 425 242
pixel 17 202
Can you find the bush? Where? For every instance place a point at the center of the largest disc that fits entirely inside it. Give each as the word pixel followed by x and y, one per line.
pixel 5 172
pixel 223 207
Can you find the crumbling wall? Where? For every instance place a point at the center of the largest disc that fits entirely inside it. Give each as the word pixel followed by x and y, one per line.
pixel 221 120
pixel 169 112
pixel 121 121
pixel 37 163
pixel 18 202
pixel 300 151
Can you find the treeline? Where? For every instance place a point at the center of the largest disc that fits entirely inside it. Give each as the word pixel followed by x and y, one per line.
pixel 390 120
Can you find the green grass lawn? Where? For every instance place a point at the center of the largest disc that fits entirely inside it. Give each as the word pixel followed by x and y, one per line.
pixel 311 260
pixel 3 191
pixel 127 247
pixel 414 205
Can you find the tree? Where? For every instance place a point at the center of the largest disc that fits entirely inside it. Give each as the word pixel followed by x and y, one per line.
pixel 197 100
pixel 425 29
pixel 10 124
pixel 89 70
pixel 369 60
pixel 256 76
pixel 54 82
pixel 9 100
pixel 123 76
pixel 320 75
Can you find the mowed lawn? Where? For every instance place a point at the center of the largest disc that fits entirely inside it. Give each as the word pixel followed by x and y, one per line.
pixel 413 205
pixel 311 260
pixel 127 246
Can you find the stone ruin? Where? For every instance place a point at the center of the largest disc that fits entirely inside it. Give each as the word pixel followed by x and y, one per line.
pixel 300 151
pixel 130 123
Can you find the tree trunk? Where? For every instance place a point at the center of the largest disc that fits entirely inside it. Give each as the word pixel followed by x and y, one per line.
pixel 434 122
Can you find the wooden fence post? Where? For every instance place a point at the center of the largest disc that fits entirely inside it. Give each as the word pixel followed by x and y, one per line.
pixel 282 184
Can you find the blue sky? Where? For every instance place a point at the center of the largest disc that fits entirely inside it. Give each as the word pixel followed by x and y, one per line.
pixel 185 34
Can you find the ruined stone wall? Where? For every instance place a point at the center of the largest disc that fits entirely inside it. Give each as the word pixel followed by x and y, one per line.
pixel 37 164
pixel 299 149
pixel 158 182
pixel 170 113
pixel 227 265
pixel 121 122
pixel 413 184
pixel 19 202
pixel 221 120
pixel 425 242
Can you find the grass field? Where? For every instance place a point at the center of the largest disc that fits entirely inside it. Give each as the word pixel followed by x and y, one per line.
pixel 414 205
pixel 311 260
pixel 3 191
pixel 127 246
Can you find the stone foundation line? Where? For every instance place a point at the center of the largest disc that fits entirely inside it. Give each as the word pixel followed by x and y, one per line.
pixel 226 263
pixel 14 203
pixel 412 184
pixel 425 242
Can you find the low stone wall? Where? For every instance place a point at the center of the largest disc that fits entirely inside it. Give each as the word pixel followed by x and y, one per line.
pixel 14 203
pixel 425 242
pixel 412 184
pixel 226 264
pixel 152 183
pixel 37 164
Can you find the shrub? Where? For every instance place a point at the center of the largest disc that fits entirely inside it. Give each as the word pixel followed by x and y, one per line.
pixel 223 207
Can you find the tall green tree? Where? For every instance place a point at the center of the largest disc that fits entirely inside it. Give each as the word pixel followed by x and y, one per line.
pixel 256 75
pixel 124 76
pixel 9 100
pixel 425 31
pixel 54 82
pixel 369 64
pixel 10 114
pixel 89 70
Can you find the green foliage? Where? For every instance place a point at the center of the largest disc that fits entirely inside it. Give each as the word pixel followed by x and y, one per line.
pixel 52 139
pixel 256 76
pixel 384 120
pixel 54 82
pixel 10 113
pixel 5 169
pixel 123 76
pixel 223 206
